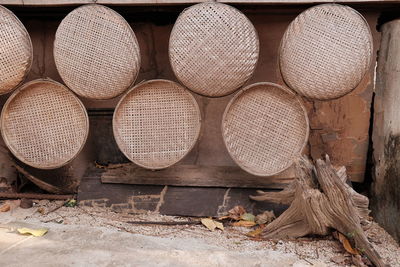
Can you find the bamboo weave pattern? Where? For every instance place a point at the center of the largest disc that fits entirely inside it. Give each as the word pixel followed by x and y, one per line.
pixel 156 124
pixel 44 124
pixel 265 128
pixel 96 52
pixel 213 49
pixel 326 51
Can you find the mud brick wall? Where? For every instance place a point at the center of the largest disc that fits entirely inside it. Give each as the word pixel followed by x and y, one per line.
pixel 339 127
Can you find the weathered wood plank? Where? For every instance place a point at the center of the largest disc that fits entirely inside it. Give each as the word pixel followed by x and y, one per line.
pixel 194 175
pixel 385 202
pixel 168 200
pixel 178 2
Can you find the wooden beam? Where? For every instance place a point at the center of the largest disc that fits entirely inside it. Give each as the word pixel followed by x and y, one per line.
pixel 167 200
pixel 196 176
pixel 178 2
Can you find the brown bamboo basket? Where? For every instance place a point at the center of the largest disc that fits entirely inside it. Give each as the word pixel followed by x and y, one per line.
pixel 156 123
pixel 96 52
pixel 213 49
pixel 326 51
pixel 15 49
pixel 44 124
pixel 265 128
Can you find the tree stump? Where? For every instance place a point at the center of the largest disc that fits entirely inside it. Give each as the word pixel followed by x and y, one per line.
pixel 320 200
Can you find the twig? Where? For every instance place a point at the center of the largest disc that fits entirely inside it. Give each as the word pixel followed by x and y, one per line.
pixel 34 196
pixel 54 209
pixel 164 223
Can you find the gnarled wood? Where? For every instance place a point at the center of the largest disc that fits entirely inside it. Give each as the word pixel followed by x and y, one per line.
pixel 321 200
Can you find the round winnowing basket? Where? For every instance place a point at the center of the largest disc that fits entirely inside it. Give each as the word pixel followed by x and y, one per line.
pixel 213 49
pixel 265 128
pixel 44 124
pixel 156 124
pixel 96 52
pixel 326 51
pixel 15 50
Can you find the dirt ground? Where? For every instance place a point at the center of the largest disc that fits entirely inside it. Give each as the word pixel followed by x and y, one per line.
pixel 311 251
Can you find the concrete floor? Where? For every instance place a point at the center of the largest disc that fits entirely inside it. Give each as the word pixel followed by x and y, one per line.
pixel 75 245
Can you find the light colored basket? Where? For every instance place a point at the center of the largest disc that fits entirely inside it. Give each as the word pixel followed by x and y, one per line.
pixel 156 124
pixel 15 50
pixel 213 49
pixel 326 51
pixel 96 52
pixel 265 128
pixel 44 124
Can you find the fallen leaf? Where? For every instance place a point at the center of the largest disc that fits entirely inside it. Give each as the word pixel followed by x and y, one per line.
pixel 255 233
pixel 70 203
pixel 41 210
pixel 211 224
pixel 34 232
pixel 248 217
pixel 244 224
pixel 346 244
pixel 265 217
pixel 5 207
pixel 236 212
pixel 219 225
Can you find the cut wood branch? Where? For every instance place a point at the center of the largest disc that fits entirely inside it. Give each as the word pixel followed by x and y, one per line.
pixel 320 200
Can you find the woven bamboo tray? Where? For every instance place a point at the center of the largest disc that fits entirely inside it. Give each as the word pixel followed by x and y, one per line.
pixel 326 51
pixel 156 124
pixel 213 49
pixel 96 52
pixel 44 124
pixel 265 128
pixel 15 50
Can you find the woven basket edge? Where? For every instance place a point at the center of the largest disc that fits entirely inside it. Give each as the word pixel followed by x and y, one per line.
pixel 28 69
pixel 255 65
pixel 120 102
pixel 12 97
pixel 306 137
pixel 139 63
pixel 369 59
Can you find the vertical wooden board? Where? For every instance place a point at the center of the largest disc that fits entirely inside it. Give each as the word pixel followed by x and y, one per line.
pixel 385 201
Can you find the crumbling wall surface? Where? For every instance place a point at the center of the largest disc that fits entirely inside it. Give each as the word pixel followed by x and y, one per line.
pixel 386 132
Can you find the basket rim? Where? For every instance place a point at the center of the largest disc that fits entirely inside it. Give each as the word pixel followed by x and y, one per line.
pixel 307 126
pixel 257 46
pixel 139 63
pixel 28 69
pixel 9 144
pixel 120 103
pixel 371 41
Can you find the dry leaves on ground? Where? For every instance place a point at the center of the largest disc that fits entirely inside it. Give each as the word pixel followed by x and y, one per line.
pixel 34 232
pixel 346 244
pixel 211 224
pixel 5 207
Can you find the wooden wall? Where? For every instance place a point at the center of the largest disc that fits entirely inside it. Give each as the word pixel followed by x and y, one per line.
pixel 339 128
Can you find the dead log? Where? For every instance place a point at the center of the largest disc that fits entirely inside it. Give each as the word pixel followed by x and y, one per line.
pixel 320 201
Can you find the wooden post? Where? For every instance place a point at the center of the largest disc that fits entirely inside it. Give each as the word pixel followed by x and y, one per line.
pixel 385 201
